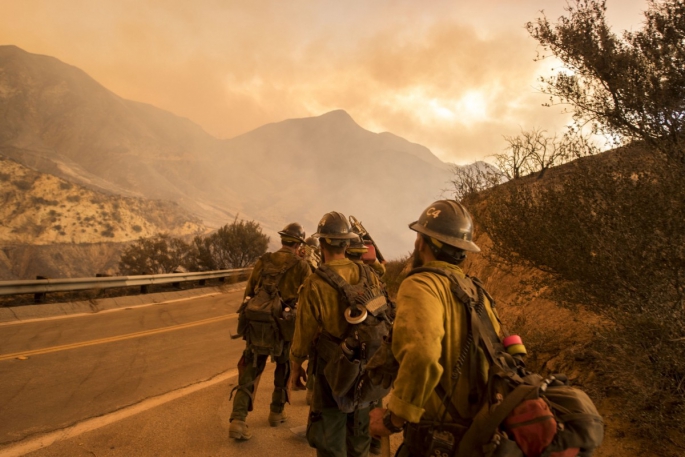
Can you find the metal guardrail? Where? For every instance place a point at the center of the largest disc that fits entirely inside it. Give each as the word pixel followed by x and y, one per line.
pixel 40 287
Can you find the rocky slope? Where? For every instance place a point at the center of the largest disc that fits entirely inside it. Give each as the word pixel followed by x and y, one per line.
pixel 38 208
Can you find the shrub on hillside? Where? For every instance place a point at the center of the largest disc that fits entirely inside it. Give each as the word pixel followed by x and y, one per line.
pixel 155 255
pixel 235 245
pixel 22 184
pixel 616 228
pixel 42 201
pixel 395 272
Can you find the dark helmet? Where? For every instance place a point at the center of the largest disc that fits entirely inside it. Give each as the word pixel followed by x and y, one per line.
pixel 335 226
pixel 357 247
pixel 312 241
pixel 292 232
pixel 447 222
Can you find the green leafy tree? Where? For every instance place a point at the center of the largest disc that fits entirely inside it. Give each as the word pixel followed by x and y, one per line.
pixel 235 245
pixel 201 257
pixel 155 255
pixel 240 243
pixel 628 87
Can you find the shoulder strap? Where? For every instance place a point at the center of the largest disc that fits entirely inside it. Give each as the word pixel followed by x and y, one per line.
pixel 480 286
pixel 451 409
pixel 465 292
pixel 468 291
pixel 275 274
pixel 338 283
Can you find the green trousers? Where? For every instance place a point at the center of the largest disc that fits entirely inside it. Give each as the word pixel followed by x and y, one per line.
pixel 332 432
pixel 337 434
pixel 250 367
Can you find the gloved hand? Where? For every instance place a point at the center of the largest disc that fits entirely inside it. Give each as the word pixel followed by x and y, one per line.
pixel 382 367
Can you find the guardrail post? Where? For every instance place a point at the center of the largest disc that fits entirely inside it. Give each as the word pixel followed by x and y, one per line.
pixel 202 282
pixel 39 297
pixel 176 285
pixel 222 279
pixel 143 289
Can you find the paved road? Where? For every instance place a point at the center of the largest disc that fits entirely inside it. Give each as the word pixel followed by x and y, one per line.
pixel 144 381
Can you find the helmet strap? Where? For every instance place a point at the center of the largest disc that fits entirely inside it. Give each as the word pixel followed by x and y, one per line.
pixel 445 252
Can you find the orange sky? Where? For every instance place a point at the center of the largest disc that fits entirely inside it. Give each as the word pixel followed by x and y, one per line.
pixel 454 76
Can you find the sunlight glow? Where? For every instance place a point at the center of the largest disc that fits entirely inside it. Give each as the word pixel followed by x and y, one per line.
pixel 472 106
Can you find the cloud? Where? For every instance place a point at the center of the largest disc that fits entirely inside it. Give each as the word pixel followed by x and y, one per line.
pixel 453 76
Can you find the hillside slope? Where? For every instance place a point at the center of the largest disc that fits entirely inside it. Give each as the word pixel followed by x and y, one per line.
pixel 38 208
pixel 586 264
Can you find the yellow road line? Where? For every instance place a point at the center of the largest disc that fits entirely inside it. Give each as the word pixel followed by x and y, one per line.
pixel 112 339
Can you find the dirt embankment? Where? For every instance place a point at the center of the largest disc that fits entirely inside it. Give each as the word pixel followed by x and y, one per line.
pixel 555 336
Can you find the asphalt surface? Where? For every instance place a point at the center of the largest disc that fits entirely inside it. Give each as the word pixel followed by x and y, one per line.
pixel 133 379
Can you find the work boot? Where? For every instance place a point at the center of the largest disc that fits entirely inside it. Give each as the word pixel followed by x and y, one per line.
pixel 277 418
pixel 238 430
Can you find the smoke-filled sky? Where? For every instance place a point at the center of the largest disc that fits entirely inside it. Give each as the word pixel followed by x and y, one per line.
pixel 454 76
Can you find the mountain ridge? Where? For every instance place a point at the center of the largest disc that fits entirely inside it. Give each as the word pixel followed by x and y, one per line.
pixel 63 122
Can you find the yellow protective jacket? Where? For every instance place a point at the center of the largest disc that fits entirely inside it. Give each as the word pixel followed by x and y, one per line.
pixel 290 282
pixel 378 267
pixel 319 308
pixel 428 335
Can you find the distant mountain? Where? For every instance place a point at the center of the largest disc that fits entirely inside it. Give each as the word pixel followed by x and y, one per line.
pixel 58 120
pixel 302 168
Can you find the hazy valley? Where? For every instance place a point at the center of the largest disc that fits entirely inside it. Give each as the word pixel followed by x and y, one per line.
pixel 58 120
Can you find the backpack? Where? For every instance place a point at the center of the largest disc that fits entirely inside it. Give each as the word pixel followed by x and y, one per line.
pixel 369 316
pixel 521 414
pixel 265 320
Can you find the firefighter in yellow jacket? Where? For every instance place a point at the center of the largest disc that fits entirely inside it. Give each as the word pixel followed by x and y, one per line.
pixel 321 315
pixel 357 250
pixel 429 333
pixel 251 364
